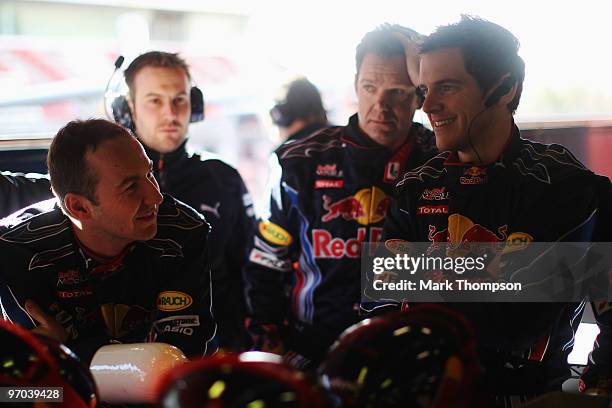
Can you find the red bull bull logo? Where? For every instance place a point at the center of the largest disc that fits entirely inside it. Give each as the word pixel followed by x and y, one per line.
pixel 462 229
pixel 367 206
pixel 474 175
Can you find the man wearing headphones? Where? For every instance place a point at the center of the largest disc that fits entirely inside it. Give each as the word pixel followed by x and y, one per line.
pixel 162 102
pixel 330 193
pixel 489 185
pixel 300 112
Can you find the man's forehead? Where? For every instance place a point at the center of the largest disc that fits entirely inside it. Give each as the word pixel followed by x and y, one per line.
pixel 375 66
pixel 442 64
pixel 159 78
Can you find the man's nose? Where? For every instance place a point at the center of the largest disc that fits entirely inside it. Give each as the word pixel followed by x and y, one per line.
pixel 382 101
pixel 431 104
pixel 169 110
pixel 153 194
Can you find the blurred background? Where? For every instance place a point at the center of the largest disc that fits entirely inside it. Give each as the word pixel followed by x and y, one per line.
pixel 56 58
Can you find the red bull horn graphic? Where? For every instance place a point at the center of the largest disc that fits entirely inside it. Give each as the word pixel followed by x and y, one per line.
pixel 462 229
pixel 367 206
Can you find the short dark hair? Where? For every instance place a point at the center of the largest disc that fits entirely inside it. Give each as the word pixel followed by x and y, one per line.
pixel 303 100
pixel 156 59
pixel 380 41
pixel 489 52
pixel 68 168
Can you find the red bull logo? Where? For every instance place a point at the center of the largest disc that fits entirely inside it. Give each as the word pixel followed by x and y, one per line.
pixel 326 246
pixel 367 206
pixel 474 175
pixel 462 229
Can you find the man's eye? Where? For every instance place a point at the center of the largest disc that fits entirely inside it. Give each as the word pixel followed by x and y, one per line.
pixel 180 101
pixel 398 94
pixel 131 187
pixel 154 101
pixel 369 88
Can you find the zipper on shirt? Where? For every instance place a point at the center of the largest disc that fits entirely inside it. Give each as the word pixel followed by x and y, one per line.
pixel 160 172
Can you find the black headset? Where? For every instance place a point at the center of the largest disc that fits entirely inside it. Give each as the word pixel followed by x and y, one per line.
pixel 282 115
pixel 500 91
pixel 121 109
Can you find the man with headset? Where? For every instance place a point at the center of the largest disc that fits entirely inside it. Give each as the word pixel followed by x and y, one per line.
pixel 300 111
pixel 160 105
pixel 330 192
pixel 493 186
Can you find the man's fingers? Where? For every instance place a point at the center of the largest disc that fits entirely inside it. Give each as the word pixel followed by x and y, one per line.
pixel 36 312
pixel 48 326
pixel 411 51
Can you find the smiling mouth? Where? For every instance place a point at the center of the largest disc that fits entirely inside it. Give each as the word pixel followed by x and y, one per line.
pixel 443 122
pixel 149 215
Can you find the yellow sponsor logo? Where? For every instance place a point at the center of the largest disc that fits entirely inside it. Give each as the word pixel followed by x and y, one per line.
pixel 274 234
pixel 171 301
pixel 517 241
pixel 399 246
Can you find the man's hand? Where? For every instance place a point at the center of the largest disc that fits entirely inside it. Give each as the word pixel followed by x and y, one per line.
pixel 411 40
pixel 47 325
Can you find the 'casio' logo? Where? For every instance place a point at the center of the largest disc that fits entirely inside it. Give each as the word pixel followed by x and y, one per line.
pixel 171 301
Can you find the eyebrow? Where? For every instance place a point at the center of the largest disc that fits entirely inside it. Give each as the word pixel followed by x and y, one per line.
pixel 130 179
pixel 447 81
pixel 182 93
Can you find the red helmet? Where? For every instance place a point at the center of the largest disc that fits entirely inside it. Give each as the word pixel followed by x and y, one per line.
pixel 251 379
pixel 423 357
pixel 27 360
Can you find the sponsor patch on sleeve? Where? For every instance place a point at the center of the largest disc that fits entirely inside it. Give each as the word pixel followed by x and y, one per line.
pixel 269 260
pixel 274 233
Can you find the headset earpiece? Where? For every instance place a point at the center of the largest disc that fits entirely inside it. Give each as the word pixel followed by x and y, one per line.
pixel 197 104
pixel 281 115
pixel 121 112
pixel 500 91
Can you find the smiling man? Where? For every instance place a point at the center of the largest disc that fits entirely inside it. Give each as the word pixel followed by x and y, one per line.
pixel 330 193
pixel 162 103
pixel 494 186
pixel 111 259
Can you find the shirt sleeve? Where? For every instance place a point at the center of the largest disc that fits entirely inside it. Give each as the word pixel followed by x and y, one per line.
pixel 269 268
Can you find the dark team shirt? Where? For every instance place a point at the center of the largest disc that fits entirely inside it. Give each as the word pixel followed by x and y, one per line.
pixel 216 190
pixel 155 290
pixel 330 192
pixel 532 193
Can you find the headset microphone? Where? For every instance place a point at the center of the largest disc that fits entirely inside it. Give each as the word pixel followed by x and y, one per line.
pixel 119 62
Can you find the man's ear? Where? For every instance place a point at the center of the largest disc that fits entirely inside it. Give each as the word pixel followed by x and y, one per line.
pixel 78 206
pixel 132 108
pixel 355 84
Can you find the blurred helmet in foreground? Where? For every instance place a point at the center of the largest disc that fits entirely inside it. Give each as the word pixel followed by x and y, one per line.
pixel 27 360
pixel 424 357
pixel 249 380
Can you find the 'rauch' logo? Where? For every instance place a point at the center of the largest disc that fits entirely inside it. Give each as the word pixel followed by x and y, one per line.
pixel 274 234
pixel 171 301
